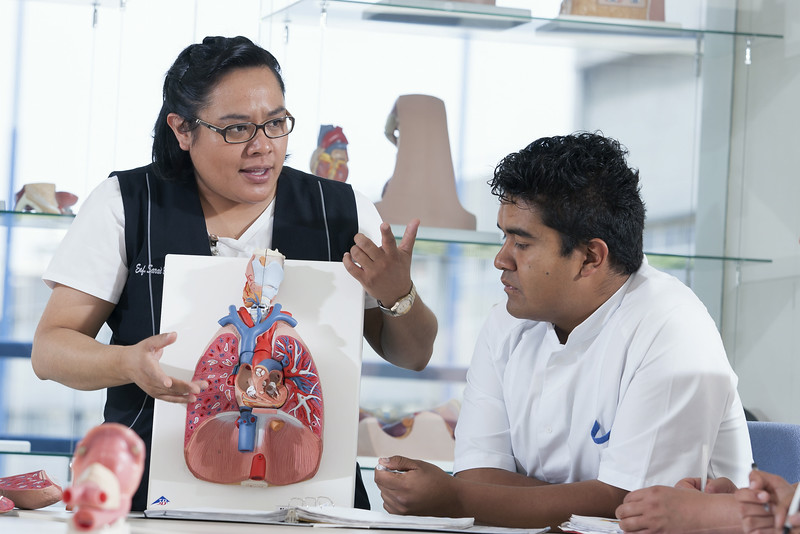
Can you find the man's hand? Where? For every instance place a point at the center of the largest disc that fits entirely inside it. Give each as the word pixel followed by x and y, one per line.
pixel 419 488
pixel 655 509
pixel 715 485
pixel 763 505
pixel 666 510
pixel 142 365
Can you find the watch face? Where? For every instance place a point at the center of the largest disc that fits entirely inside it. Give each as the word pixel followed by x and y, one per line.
pixel 402 306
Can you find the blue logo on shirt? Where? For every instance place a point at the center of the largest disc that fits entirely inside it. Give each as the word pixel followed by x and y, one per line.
pixel 602 439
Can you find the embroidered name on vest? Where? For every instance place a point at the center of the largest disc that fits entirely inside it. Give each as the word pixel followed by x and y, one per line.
pixel 148 269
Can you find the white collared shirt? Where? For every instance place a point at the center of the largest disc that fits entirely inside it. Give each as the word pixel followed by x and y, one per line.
pixel 648 367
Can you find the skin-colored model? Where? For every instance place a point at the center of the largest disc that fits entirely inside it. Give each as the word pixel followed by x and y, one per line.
pixel 107 468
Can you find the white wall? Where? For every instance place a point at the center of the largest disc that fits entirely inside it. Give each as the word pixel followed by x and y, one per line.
pixel 760 307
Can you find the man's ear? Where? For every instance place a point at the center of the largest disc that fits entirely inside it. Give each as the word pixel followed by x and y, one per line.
pixel 181 130
pixel 596 256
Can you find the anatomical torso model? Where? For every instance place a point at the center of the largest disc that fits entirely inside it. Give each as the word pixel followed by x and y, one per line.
pixel 261 418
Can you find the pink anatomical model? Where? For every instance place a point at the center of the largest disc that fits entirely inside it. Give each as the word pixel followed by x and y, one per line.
pixel 6 504
pixel 107 468
pixel 43 198
pixel 29 491
pixel 262 416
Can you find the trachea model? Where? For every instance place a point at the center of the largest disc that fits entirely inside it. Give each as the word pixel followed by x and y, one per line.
pixel 262 416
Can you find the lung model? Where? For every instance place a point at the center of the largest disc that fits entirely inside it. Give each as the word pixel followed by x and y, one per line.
pixel 262 416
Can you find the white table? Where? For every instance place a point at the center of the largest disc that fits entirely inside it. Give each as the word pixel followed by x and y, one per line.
pixel 54 520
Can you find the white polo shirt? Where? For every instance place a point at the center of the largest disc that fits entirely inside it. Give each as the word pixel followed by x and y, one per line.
pixel 92 257
pixel 647 371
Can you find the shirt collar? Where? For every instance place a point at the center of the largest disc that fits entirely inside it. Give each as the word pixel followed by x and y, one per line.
pixel 593 324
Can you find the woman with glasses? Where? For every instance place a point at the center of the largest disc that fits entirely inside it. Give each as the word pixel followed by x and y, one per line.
pixel 217 184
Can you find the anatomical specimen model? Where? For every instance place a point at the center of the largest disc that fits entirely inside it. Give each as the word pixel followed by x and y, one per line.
pixel 329 159
pixel 43 198
pixel 28 491
pixel 107 468
pixel 262 416
pixel 423 185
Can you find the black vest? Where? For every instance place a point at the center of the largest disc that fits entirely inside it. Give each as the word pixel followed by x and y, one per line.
pixel 315 219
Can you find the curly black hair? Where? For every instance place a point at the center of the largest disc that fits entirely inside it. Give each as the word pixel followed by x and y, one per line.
pixel 187 86
pixel 582 187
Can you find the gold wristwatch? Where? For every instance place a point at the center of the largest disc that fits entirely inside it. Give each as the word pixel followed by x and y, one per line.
pixel 403 304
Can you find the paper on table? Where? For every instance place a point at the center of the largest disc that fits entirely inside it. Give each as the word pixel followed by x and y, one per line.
pixel 219 514
pixel 356 517
pixel 338 516
pixel 331 515
pixel 481 529
pixel 591 525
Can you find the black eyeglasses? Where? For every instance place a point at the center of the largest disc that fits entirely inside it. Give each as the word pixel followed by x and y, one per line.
pixel 245 131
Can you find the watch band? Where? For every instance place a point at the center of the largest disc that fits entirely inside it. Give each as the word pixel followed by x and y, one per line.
pixel 403 304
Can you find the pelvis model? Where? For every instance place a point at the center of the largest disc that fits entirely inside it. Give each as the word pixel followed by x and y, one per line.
pixel 262 416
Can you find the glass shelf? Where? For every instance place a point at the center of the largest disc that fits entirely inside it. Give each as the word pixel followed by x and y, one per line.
pixel 38 445
pixel 705 257
pixel 49 454
pixel 119 4
pixel 425 234
pixel 451 235
pixel 432 372
pixel 455 19
pixel 494 239
pixel 34 220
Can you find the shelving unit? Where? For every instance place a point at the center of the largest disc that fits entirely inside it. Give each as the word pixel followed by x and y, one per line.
pixel 430 242
pixel 468 20
pixel 453 268
pixel 16 219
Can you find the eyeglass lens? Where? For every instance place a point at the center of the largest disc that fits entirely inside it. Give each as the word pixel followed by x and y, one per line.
pixel 241 133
